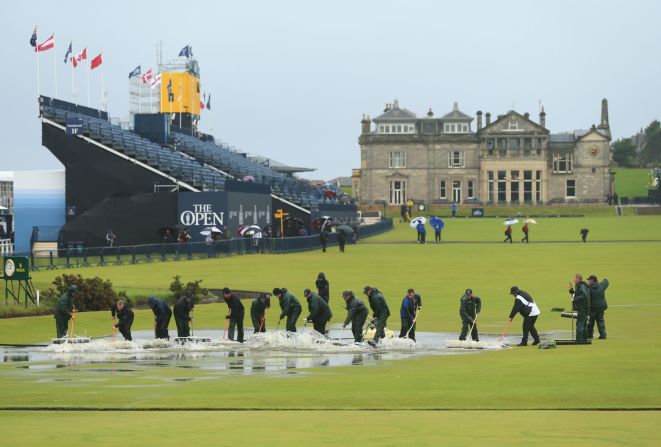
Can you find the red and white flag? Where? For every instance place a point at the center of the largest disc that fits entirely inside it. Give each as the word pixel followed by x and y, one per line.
pixel 96 62
pixel 46 44
pixel 156 81
pixel 82 56
pixel 147 77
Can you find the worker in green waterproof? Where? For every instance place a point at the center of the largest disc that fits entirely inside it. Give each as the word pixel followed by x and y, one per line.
pixel 320 312
pixel 470 307
pixel 258 312
pixel 380 312
pixel 581 303
pixel 64 311
pixel 356 315
pixel 598 306
pixel 290 306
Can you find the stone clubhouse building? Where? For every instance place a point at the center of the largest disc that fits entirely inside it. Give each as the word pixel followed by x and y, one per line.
pixel 510 160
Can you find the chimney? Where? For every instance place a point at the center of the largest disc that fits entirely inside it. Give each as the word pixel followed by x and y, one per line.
pixel 456 107
pixel 479 119
pixel 488 117
pixel 542 118
pixel 366 124
pixel 387 107
pixel 430 114
pixel 604 114
pixel 395 104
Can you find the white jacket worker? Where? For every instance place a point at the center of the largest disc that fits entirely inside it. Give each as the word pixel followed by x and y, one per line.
pixel 525 305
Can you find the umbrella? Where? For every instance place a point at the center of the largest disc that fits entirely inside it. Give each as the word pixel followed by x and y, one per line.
pixel 436 223
pixel 209 230
pixel 418 220
pixel 250 230
pixel 248 178
pixel 511 222
pixel 345 228
pixel 531 221
pixel 3 207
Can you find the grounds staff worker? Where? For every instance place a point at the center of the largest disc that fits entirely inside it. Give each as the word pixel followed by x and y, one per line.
pixel 525 305
pixel 290 306
pixel 581 302
pixel 598 306
pixel 236 315
pixel 356 314
pixel 64 311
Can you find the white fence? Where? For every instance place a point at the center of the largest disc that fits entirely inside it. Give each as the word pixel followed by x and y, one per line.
pixel 6 247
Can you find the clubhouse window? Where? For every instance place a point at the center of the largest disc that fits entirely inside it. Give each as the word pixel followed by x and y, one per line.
pixel 397 160
pixel 571 188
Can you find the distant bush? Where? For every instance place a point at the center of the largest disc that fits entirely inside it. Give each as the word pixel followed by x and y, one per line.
pixel 179 289
pixel 12 311
pixel 92 293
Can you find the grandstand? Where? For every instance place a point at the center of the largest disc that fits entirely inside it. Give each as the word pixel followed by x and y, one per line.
pixel 192 163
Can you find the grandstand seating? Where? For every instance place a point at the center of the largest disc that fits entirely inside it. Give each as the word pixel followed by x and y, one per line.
pixel 202 164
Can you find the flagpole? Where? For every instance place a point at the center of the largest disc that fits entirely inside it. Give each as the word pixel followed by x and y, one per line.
pixel 73 83
pixel 38 76
pixel 181 100
pixel 140 101
pixel 55 66
pixel 88 85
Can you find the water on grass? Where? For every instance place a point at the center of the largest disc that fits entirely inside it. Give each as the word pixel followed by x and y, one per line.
pixel 275 353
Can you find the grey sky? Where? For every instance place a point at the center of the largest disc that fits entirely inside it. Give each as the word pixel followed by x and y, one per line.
pixel 290 79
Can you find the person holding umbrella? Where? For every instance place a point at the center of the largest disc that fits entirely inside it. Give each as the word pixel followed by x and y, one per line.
pixel 323 287
pixel 258 312
pixel 235 314
pixel 181 310
pixel 320 312
pixel 437 224
pixel 380 312
pixel 470 307
pixel 290 306
pixel 356 314
pixel 525 305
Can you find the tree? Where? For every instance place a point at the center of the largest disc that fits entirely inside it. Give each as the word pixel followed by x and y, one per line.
pixel 651 153
pixel 624 152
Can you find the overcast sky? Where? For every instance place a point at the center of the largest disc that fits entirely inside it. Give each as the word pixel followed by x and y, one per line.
pixel 291 79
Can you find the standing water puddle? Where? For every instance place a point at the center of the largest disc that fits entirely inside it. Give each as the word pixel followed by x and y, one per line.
pixel 277 353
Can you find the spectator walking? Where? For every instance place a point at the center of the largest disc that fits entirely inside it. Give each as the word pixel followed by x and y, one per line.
pixel 508 234
pixel 323 238
pixel 422 231
pixel 525 232
pixel 584 234
pixel 341 240
pixel 453 209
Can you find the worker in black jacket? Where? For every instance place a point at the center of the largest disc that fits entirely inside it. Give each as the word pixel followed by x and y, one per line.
pixel 525 305
pixel 469 308
pixel 235 315
pixel 162 315
pixel 323 287
pixel 182 309
pixel 320 312
pixel 598 306
pixel 123 313
pixel 258 312
pixel 356 315
pixel 409 313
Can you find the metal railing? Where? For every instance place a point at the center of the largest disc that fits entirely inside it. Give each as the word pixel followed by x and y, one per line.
pixel 6 247
pixel 75 255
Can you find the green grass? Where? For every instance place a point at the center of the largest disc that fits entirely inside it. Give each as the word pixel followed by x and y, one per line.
pixel 630 228
pixel 632 182
pixel 621 372
pixel 296 428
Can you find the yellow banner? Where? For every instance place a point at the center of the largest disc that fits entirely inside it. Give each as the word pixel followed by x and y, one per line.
pixel 180 93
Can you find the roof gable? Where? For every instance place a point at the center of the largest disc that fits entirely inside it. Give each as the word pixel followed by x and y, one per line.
pixel 456 115
pixel 593 134
pixel 513 123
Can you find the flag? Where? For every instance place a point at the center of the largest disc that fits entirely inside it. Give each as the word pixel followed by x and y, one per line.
pixel 147 76
pixel 186 51
pixel 209 102
pixel 202 101
pixel 135 72
pixel 82 56
pixel 33 39
pixel 156 81
pixel 69 51
pixel 201 105
pixel 170 95
pixel 96 62
pixel 46 44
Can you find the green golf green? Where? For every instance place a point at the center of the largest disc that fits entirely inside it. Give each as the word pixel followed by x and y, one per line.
pixel 618 373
